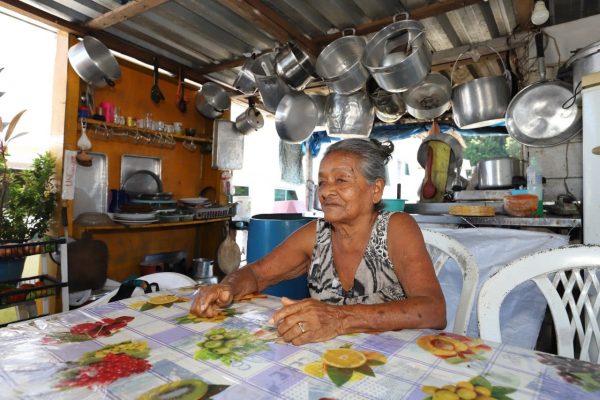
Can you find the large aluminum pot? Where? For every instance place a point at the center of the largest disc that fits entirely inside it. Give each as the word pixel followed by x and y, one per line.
pixel 584 62
pixel 296 117
pixel 398 56
pixel 212 100
pixel 340 67
pixel 94 63
pixel 270 86
pixel 294 66
pixel 430 98
pixel 498 173
pixel 244 81
pixel 349 115
pixel 482 101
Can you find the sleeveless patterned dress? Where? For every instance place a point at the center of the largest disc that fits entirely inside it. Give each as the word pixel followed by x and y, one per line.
pixel 375 280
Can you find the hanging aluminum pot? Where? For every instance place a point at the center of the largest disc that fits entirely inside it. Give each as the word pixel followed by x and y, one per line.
pixel 349 115
pixel 430 98
pixel 212 100
pixel 296 117
pixel 270 86
pixel 294 66
pixel 245 82
pixel 250 120
pixel 94 63
pixel 584 62
pixel 320 103
pixel 340 67
pixel 482 101
pixel 398 56
pixel 389 107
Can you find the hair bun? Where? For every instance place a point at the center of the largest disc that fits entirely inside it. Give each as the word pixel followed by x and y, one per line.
pixel 386 148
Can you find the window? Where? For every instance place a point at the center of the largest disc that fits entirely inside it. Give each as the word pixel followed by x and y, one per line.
pixel 27 80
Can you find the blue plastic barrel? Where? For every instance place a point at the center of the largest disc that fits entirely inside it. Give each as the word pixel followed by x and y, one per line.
pixel 265 232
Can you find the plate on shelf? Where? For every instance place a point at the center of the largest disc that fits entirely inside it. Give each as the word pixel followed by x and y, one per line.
pixel 132 222
pixel 134 216
pixel 194 200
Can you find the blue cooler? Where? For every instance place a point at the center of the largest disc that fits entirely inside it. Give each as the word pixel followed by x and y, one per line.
pixel 265 232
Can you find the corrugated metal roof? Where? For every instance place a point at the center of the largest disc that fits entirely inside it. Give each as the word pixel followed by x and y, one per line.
pixel 204 35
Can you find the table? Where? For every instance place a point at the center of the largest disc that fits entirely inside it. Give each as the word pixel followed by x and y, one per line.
pixel 149 347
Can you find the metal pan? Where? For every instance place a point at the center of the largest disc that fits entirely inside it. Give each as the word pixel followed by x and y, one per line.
pixel 536 116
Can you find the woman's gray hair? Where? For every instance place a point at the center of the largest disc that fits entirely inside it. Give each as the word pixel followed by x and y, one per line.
pixel 373 154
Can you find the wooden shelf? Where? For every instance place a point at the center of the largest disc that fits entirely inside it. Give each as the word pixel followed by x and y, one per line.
pixel 154 225
pixel 108 126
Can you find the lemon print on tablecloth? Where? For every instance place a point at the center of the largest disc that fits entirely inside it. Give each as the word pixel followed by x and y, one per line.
pixel 345 365
pixel 476 388
pixel 163 300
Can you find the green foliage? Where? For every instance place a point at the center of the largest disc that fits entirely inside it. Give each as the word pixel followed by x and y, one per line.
pixel 27 199
pixel 484 147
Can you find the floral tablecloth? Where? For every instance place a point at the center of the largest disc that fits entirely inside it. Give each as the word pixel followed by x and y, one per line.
pixel 150 347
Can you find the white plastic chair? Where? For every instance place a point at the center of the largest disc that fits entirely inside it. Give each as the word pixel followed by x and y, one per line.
pixel 441 248
pixel 568 277
pixel 165 280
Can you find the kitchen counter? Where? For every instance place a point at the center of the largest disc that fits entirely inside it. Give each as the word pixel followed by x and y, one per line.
pixel 550 221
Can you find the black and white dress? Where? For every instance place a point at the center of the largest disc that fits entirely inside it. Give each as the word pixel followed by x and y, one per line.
pixel 375 280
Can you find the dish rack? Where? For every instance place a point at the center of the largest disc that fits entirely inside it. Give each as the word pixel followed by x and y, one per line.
pixel 30 288
pixel 215 212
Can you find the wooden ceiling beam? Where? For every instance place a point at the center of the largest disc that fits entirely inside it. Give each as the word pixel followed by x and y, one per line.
pixel 429 10
pixel 123 13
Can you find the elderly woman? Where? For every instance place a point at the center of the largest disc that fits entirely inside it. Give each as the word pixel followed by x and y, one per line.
pixel 368 269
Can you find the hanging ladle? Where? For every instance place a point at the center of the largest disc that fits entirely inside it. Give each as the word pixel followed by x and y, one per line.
pixel 155 93
pixel 181 104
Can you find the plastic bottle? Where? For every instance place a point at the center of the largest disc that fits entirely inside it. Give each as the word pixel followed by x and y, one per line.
pixel 534 184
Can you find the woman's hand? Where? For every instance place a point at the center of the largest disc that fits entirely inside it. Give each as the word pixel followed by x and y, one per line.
pixel 210 299
pixel 306 321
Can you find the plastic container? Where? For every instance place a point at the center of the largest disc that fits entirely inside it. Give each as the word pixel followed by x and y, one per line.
pixel 521 205
pixel 265 232
pixel 535 185
pixel 393 204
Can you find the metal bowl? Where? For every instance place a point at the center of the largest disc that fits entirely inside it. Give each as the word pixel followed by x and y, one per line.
pixel 296 117
pixel 430 98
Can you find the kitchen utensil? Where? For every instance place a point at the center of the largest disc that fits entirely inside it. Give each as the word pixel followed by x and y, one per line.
pixel 521 205
pixel 250 120
pixel 398 56
pixel 536 116
pixel 389 107
pixel 181 103
pixel 497 173
pixel 296 117
pixel 202 268
pixel 584 62
pixel 429 189
pixel 227 146
pixel 294 66
pixel 339 64
pixel 93 62
pixel 320 102
pixel 271 87
pixel 482 101
pixel 212 100
pixel 142 181
pixel 155 94
pixel 349 115
pixel 245 81
pixel 430 98
pixel 134 216
pixel 88 263
pixel 229 254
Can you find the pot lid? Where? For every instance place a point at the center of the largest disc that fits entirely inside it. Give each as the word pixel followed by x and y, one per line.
pixel 587 51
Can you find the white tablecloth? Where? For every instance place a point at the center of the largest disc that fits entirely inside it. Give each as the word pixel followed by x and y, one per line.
pixel 523 309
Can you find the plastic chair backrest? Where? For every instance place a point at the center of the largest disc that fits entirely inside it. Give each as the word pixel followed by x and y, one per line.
pixel 568 277
pixel 165 280
pixel 441 248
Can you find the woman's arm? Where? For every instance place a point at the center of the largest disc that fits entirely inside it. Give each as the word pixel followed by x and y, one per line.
pixel 288 260
pixel 424 306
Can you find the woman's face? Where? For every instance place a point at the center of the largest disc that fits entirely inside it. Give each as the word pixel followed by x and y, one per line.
pixel 344 192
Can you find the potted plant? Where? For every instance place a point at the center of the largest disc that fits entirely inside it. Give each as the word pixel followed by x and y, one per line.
pixel 27 203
